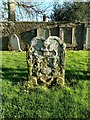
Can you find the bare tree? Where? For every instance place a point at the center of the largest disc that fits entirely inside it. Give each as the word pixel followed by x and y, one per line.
pixel 11 10
pixel 19 10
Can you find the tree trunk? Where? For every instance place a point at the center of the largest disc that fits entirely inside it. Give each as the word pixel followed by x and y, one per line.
pixel 11 10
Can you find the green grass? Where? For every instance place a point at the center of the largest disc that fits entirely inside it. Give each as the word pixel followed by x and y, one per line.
pixel 71 101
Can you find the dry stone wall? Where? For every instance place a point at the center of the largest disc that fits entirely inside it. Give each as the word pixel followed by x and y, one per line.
pixel 77 35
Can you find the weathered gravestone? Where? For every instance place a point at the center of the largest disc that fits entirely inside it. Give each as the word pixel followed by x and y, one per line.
pixel 43 33
pixel 15 44
pixel 87 44
pixel 45 60
pixel 0 36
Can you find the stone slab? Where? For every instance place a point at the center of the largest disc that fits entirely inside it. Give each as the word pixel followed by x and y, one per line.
pixel 15 44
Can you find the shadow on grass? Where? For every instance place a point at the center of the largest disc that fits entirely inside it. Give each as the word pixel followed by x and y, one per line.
pixel 14 75
pixel 78 75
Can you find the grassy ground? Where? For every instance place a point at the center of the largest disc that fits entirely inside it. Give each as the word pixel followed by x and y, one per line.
pixel 71 101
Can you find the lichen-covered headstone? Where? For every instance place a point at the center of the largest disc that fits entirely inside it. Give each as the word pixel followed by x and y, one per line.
pixel 46 60
pixel 15 44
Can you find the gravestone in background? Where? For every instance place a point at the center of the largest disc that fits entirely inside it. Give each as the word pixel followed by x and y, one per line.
pixel 15 44
pixel 43 33
pixel 45 60
pixel 0 36
pixel 54 31
pixel 87 44
pixel 79 34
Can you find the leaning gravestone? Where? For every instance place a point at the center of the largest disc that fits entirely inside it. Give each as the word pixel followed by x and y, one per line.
pixel 15 44
pixel 46 61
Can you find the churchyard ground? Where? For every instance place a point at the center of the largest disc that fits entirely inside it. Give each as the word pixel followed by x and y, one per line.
pixel 19 100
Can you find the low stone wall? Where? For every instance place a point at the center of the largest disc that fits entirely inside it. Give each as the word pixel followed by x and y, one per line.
pixel 75 35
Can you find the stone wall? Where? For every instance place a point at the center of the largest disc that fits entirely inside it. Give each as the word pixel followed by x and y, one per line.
pixel 75 35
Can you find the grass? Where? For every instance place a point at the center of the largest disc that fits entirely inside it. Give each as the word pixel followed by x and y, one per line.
pixel 71 101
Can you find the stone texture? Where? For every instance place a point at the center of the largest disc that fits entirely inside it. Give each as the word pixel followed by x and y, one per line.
pixel 15 44
pixel 87 44
pixel 46 59
pixel 21 29
pixel 0 36
pixel 44 33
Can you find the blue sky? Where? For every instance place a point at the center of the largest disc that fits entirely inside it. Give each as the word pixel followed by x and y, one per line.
pixel 47 3
pixel 44 5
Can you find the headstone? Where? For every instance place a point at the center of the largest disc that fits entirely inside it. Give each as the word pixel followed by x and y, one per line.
pixel 43 33
pixel 46 59
pixel 15 44
pixel 0 36
pixel 87 46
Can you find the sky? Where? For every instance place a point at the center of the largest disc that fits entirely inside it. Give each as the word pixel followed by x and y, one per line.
pixel 43 0
pixel 43 6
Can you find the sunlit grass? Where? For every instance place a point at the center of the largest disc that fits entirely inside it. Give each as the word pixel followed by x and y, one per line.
pixel 70 101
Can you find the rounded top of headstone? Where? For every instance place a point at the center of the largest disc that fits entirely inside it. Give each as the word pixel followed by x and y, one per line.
pixel 14 41
pixel 55 38
pixel 14 35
